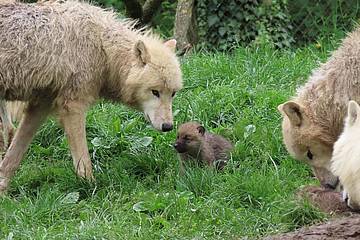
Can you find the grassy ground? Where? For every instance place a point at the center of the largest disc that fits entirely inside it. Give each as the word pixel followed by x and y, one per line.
pixel 139 194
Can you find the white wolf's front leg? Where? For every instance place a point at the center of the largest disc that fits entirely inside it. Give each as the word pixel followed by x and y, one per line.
pixel 32 119
pixel 72 117
pixel 8 127
pixel 345 196
pixel 349 202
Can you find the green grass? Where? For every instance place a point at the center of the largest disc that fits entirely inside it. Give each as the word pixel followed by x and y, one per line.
pixel 138 193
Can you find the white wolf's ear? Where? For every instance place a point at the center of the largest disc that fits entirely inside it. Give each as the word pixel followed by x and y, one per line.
pixel 353 113
pixel 171 44
pixel 293 111
pixel 141 52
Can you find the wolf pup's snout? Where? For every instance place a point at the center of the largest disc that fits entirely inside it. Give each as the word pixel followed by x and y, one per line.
pixel 165 127
pixel 179 147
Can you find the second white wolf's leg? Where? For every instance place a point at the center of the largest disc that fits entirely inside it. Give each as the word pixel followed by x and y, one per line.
pixel 73 117
pixel 344 195
pixel 33 117
pixel 8 127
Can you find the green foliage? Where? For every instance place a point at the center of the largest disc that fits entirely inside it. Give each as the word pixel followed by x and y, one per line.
pixel 163 22
pixel 225 24
pixel 138 193
pixel 116 4
pixel 322 19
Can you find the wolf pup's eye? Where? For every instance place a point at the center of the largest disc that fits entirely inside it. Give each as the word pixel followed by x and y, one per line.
pixel 309 155
pixel 155 93
pixel 173 94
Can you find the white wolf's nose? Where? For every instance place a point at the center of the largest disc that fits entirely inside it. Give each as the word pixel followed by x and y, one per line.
pixel 331 185
pixel 165 127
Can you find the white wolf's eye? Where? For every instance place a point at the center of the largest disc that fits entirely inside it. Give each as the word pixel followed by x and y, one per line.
pixel 173 94
pixel 155 93
pixel 309 155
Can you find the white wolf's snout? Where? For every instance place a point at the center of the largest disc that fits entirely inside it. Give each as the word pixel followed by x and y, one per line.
pixel 159 114
pixel 327 178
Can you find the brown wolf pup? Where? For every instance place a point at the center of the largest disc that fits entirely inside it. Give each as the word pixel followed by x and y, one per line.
pixel 193 142
pixel 60 57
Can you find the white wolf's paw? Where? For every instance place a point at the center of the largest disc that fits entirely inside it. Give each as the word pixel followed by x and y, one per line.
pixel 4 182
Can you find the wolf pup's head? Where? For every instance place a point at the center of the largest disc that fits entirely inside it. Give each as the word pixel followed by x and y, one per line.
pixel 306 141
pixel 154 80
pixel 346 156
pixel 189 137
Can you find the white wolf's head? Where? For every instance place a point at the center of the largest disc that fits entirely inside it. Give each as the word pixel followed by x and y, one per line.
pixel 346 156
pixel 154 80
pixel 307 141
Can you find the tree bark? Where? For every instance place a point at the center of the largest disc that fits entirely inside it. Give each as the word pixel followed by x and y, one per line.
pixel 185 25
pixel 133 9
pixel 149 9
pixel 343 228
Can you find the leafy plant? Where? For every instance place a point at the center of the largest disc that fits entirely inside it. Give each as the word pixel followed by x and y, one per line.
pixel 224 25
pixel 324 19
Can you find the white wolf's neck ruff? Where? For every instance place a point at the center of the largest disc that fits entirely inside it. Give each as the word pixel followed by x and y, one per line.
pixel 333 84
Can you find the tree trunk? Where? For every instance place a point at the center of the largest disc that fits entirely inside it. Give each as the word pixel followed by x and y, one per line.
pixel 343 228
pixel 185 25
pixel 149 9
pixel 133 9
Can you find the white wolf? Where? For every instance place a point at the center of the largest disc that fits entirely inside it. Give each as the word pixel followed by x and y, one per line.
pixel 346 157
pixel 61 57
pixel 313 119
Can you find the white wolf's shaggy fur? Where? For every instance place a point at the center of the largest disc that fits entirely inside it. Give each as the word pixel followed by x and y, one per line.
pixel 61 57
pixel 346 156
pixel 313 119
pixel 14 111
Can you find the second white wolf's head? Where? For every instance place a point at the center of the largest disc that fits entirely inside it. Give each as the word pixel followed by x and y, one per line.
pixel 153 81
pixel 346 156
pixel 307 141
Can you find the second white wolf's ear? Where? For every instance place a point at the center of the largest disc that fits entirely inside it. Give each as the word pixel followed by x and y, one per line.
pixel 171 44
pixel 353 113
pixel 141 52
pixel 293 111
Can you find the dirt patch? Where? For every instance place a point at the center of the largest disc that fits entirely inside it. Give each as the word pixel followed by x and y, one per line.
pixel 340 228
pixel 346 224
pixel 326 200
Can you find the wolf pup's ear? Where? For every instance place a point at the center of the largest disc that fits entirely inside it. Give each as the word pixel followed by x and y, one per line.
pixel 141 52
pixel 293 111
pixel 353 113
pixel 201 130
pixel 171 44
